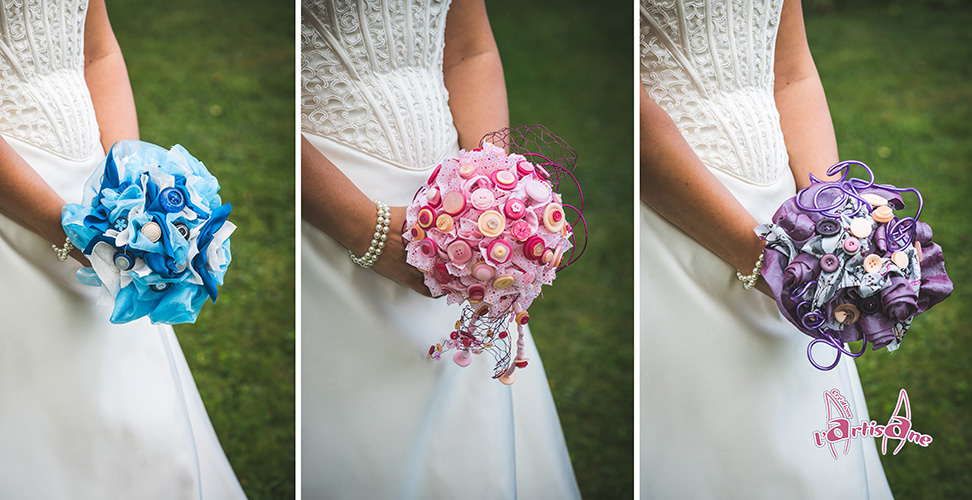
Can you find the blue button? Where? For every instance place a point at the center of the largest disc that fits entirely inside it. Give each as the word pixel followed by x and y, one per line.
pixel 159 287
pixel 124 261
pixel 183 229
pixel 172 200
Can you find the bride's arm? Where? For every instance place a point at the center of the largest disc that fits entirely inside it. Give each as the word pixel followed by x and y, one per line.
pixel 333 204
pixel 473 73
pixel 676 184
pixel 107 78
pixel 807 128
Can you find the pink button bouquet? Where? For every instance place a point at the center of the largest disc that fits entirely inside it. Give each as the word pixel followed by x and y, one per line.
pixel 489 228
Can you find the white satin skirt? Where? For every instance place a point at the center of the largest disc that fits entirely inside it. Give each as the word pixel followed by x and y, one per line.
pixel 380 420
pixel 91 410
pixel 729 401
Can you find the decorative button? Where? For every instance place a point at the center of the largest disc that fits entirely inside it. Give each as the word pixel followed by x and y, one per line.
pixel 846 314
pixel 467 170
pixel 521 230
pixel 860 227
pixel 459 252
pixel 491 223
pixel 435 173
pixel 454 203
pixel 433 196
pixel 514 208
pixel 534 247
pixel 553 218
pixel 504 179
pixel 483 271
pixel 829 263
pixel 120 223
pixel 428 248
pixel 159 287
pixel 507 378
pixel 441 273
pixel 172 200
pixel 883 214
pixel 522 318
pixel 872 263
pixel 874 200
pixel 827 227
pixel 524 168
pixel 462 358
pixel 426 217
pixel 548 256
pixel 870 305
pixel 499 251
pixel 521 362
pixel 558 256
pixel 124 261
pixel 476 292
pixel 852 245
pixel 416 232
pixel 918 252
pixel 444 223
pixel 503 282
pixel 152 231
pixel 537 190
pixel 182 229
pixel 900 259
pixel 482 199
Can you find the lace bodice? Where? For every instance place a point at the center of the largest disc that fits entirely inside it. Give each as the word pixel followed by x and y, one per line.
pixel 371 77
pixel 43 96
pixel 709 64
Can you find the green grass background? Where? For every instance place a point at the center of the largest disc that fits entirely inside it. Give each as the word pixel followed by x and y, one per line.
pixel 218 78
pixel 897 77
pixel 569 66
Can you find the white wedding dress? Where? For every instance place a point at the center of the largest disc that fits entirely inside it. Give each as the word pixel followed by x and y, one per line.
pixel 379 419
pixel 729 401
pixel 88 410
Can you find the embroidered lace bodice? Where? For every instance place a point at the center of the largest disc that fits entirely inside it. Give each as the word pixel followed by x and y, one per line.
pixel 371 78
pixel 709 64
pixel 44 99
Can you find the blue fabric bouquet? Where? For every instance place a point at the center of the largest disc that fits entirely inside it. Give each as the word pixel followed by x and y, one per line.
pixel 155 231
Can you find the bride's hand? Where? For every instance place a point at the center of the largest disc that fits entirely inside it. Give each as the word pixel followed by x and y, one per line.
pixel 391 264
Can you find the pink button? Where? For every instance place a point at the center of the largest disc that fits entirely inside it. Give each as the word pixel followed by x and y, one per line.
pixel 829 263
pixel 514 208
pixel 553 217
pixel 537 190
pixel 416 233
pixel 476 291
pixel 435 173
pixel 521 230
pixel 428 248
pixel 444 223
pixel 900 259
pixel 467 170
pixel 482 199
pixel 441 273
pixel 558 256
pixel 462 358
pixel 852 245
pixel 883 213
pixel 548 256
pixel 454 203
pixel 504 179
pixel 433 196
pixel 499 251
pixel 459 252
pixel 872 263
pixel 426 217
pixel 491 223
pixel 524 168
pixel 533 248
pixel 483 271
pixel 860 228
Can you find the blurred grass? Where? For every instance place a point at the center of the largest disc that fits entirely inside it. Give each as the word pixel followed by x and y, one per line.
pixel 218 78
pixel 897 78
pixel 568 66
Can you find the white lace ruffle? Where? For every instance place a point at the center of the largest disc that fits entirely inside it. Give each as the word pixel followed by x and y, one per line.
pixel 371 78
pixel 709 64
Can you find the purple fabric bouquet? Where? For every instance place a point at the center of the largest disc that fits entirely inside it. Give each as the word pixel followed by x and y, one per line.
pixel 843 267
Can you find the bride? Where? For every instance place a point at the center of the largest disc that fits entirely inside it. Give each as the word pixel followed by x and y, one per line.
pixel 733 119
pixel 90 409
pixel 388 92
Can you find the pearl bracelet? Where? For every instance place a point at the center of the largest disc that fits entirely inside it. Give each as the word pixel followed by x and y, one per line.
pixel 62 253
pixel 378 241
pixel 749 282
